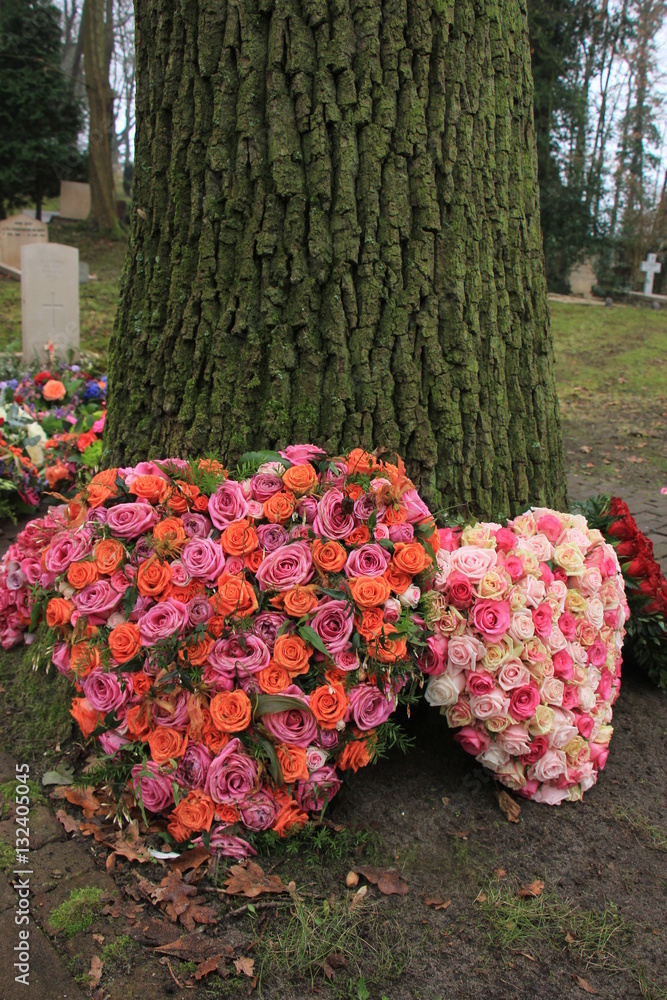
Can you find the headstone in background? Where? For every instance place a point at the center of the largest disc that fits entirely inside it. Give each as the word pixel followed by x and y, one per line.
pixel 583 279
pixel 74 200
pixel 49 300
pixel 651 266
pixel 18 231
pixel 84 272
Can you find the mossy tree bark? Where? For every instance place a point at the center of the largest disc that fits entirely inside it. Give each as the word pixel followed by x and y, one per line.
pixel 336 238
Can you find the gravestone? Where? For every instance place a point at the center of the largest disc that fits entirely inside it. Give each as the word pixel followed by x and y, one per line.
pixel 18 231
pixel 84 272
pixel 49 300
pixel 583 279
pixel 651 266
pixel 74 200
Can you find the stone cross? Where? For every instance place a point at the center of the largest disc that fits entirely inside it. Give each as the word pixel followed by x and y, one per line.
pixel 49 300
pixel 651 266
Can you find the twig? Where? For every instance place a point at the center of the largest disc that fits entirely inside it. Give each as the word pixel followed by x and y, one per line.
pixel 271 904
pixel 181 986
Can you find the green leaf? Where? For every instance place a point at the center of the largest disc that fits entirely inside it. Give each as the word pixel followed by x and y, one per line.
pixel 129 600
pixel 266 704
pixel 275 770
pixel 260 457
pixel 310 635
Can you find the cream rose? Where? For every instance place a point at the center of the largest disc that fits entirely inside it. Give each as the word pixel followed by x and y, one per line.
pixel 463 652
pixel 522 627
pixel 478 535
pixel 549 767
pixel 552 691
pixel 493 757
pixel 539 545
pixel 445 689
pixel 570 557
pixel 515 740
pixel 513 673
pixel 594 612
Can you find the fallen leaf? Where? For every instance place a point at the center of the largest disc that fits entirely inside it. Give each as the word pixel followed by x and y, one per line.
pixel 586 449
pixel 245 966
pixel 500 872
pixel 358 897
pixel 623 381
pixel 190 859
pixel 216 963
pixel 388 880
pixel 128 910
pixel 71 825
pixel 128 844
pixel 445 800
pixel 531 890
pixel 182 902
pixel 249 880
pixel 634 459
pixel 95 973
pixel 509 807
pixel 110 863
pixel 570 938
pixel 155 932
pixel 83 797
pixel 194 948
pixel 481 897
pixel 95 830
pixel 583 985
pixel 461 834
pixel 437 902
pixel 63 775
pixel 99 938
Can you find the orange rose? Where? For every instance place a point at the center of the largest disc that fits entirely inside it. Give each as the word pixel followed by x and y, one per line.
pixel 231 711
pixel 226 814
pixel 211 465
pixel 235 598
pixel 151 488
pixel 84 658
pixel 398 580
pixel 395 514
pixel 153 577
pixel 292 653
pixel 84 715
pixel 329 704
pixel 369 591
pixel 55 473
pixel 141 683
pixel 54 390
pixel 279 508
pixel 299 601
pixel 253 561
pixel 273 679
pixel 300 479
pixel 170 530
pixel 58 612
pixel 80 574
pixel 183 594
pixel 200 504
pixel 108 555
pixel 290 817
pixel 195 812
pixel 385 649
pixel 292 762
pixel 329 557
pixel 359 536
pixel 216 625
pixel 371 624
pixel 239 538
pixel 178 832
pixel 196 649
pixel 166 744
pixel 360 461
pixel 106 478
pixel 410 557
pixel 353 491
pixel 139 721
pixel 211 735
pixel 182 495
pixel 124 642
pixel 354 755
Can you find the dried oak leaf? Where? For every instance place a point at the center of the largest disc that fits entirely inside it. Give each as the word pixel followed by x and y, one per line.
pixel 531 890
pixel 83 797
pixel 95 830
pixel 128 844
pixel 95 973
pixel 388 880
pixel 583 985
pixel 217 963
pixel 437 902
pixel 117 908
pixel 249 880
pixel 195 948
pixel 245 966
pixel 190 859
pixel 510 809
pixel 182 902
pixel 71 825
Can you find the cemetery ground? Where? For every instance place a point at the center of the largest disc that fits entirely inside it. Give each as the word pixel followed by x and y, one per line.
pixel 567 902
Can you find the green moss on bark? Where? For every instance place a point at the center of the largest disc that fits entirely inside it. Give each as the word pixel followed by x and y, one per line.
pixel 335 238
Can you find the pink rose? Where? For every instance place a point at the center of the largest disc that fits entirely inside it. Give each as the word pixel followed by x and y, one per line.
pixel 597 653
pixel 264 485
pixel 542 615
pixel 491 618
pixel 463 652
pixel 480 682
pixel 232 775
pixel 563 665
pixel 473 562
pixel 227 504
pixel 599 754
pixel 66 547
pixel 96 599
pixel 238 655
pixel 391 610
pixel 313 794
pixel 203 559
pixel 472 740
pixel 129 520
pixel 367 560
pixel 550 526
pixel 258 811
pixel 103 691
pixel 346 661
pixel 490 706
pixel 584 723
pixel 514 568
pixel 515 740
pixel 567 623
pixel 369 707
pixel 506 540
pixel 266 625
pixel 288 566
pixel 300 454
pixel 450 538
pixel 226 845
pixel 162 621
pixel 334 623
pixel 550 766
pixel 459 589
pixel 523 701
pixel 193 766
pixel 513 674
pixel 195 525
pixel 296 726
pixel 415 507
pixel 153 789
pixel 331 521
pixel 433 660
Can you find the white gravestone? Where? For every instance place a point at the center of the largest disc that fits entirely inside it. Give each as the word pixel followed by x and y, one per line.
pixel 74 200
pixel 651 266
pixel 19 231
pixel 49 300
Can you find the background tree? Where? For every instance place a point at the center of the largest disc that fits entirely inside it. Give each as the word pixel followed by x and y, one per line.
pixel 39 114
pixel 336 238
pixel 97 42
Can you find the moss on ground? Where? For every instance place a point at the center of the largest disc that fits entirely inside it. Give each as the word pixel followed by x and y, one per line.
pixel 77 913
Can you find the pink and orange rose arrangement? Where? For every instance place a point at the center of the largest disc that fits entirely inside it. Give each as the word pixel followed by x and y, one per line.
pixel 236 641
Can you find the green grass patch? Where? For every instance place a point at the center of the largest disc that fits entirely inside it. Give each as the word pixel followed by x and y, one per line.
pixel 7 857
pixel 118 955
pixel 77 913
pixel 37 704
pixel 642 827
pixel 319 845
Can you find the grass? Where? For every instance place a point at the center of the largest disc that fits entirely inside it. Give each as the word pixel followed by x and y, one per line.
pixel 77 913
pixel 118 954
pixel 36 706
pixel 642 827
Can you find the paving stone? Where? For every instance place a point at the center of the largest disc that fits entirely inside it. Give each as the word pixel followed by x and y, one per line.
pixel 56 863
pixel 7 767
pixel 48 977
pixel 44 828
pixel 7 895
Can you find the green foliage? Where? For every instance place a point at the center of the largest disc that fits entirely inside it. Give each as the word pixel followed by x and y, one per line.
pixel 77 913
pixel 39 116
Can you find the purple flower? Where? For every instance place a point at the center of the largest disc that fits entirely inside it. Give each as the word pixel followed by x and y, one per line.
pixel 195 525
pixel 232 776
pixel 259 810
pixel 162 621
pixel 313 794
pixel 368 560
pixel 263 485
pixel 154 789
pixel 227 845
pixel 334 622
pixel 193 767
pixel 369 707
pixel 103 691
pixel 271 536
pixel 203 558
pixel 296 726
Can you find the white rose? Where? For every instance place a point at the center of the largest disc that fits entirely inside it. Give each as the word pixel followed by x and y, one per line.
pixel 315 758
pixel 493 757
pixel 549 767
pixel 594 612
pixel 593 677
pixel 590 582
pixel 578 653
pixel 445 689
pixel 410 597
pixel 522 626
pixel 586 698
pixel 556 640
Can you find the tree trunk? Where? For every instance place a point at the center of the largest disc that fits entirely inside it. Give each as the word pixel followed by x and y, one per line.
pixel 95 28
pixel 336 238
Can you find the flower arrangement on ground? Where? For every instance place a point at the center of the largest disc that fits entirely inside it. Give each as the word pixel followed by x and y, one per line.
pixel 645 585
pixel 532 618
pixel 236 641
pixel 52 421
